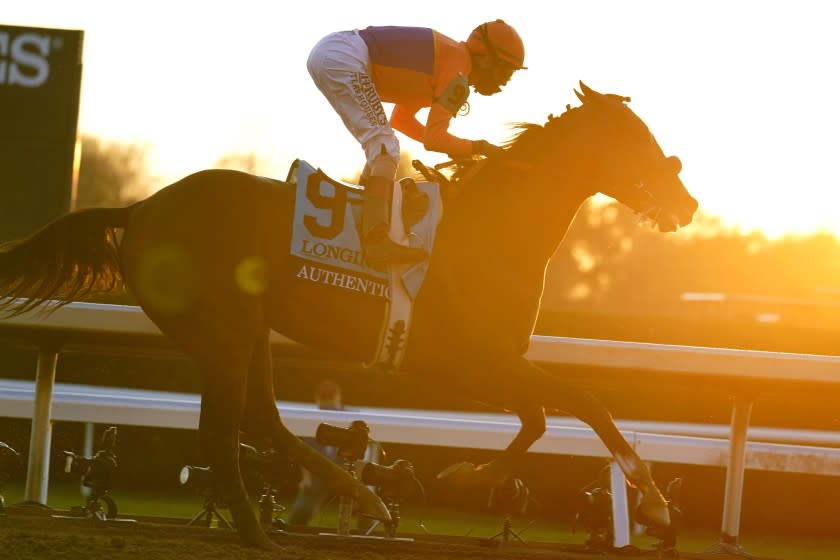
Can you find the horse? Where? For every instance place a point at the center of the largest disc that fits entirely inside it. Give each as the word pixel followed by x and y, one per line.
pixel 207 258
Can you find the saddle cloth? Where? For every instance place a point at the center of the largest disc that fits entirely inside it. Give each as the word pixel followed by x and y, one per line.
pixel 326 231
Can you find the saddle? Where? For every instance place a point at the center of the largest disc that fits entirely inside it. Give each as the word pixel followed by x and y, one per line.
pixel 463 170
pixel 327 231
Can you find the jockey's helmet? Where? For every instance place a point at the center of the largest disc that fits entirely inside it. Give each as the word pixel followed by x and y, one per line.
pixel 500 41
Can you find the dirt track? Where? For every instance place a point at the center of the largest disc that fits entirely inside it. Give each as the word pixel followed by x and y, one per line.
pixel 41 537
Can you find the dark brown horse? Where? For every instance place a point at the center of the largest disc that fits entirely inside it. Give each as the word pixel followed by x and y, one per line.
pixel 207 259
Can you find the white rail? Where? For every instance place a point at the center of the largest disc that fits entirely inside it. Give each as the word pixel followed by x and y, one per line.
pixel 657 441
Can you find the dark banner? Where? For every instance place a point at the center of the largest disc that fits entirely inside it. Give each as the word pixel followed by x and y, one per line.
pixel 40 81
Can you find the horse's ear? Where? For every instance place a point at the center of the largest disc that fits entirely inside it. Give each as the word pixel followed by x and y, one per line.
pixel 587 91
pixel 588 94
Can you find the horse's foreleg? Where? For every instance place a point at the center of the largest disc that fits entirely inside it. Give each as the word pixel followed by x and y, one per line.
pixel 497 471
pixel 532 419
pixel 560 395
pixel 522 386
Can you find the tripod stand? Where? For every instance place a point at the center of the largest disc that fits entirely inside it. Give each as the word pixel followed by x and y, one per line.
pixel 507 531
pixel 208 513
pixel 511 497
pixel 268 506
pixel 9 460
pixel 93 507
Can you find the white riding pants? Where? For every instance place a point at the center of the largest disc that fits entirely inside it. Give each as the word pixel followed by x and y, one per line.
pixel 340 66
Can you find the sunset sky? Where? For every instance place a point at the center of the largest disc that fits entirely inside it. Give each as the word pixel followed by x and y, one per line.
pixel 745 93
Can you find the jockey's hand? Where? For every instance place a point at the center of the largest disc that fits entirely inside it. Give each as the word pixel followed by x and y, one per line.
pixel 485 148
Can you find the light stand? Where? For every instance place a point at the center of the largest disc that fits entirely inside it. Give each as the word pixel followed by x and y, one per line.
pixel 209 512
pixel 202 480
pixel 511 498
pixel 393 485
pixel 96 473
pixel 268 507
pixel 352 443
pixel 594 512
pixel 9 461
pixel 666 546
pixel 271 468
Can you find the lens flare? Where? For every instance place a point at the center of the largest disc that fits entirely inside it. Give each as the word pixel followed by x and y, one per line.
pixel 251 275
pixel 166 279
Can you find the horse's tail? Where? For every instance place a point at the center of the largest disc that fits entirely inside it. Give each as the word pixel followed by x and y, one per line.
pixel 70 258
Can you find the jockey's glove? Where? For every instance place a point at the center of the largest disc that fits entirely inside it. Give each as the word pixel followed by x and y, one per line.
pixel 485 148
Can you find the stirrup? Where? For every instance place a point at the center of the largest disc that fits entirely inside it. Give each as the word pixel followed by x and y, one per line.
pixel 379 249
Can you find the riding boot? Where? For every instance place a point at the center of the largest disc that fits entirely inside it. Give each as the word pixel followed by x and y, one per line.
pixel 378 247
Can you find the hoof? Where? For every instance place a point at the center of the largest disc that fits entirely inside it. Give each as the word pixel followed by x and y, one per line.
pixel 467 474
pixel 457 473
pixel 370 505
pixel 259 540
pixel 653 509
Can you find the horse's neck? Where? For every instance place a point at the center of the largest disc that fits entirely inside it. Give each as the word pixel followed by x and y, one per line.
pixel 536 206
pixel 559 187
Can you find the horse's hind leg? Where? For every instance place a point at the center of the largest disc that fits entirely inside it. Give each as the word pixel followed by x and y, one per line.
pixel 221 409
pixel 526 388
pixel 263 419
pixel 222 349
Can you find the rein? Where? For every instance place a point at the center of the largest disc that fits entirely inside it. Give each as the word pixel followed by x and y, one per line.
pixel 465 171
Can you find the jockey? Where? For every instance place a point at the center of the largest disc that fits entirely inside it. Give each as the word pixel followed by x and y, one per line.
pixel 412 68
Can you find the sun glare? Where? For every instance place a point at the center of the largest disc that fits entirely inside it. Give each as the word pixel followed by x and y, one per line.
pixel 749 108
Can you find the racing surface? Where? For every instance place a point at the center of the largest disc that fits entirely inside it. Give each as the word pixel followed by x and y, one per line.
pixel 26 536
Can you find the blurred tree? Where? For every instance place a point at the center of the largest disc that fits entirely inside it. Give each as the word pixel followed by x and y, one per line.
pixel 111 173
pixel 608 264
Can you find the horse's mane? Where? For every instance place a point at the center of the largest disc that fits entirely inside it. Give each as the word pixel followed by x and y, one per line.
pixel 526 136
pixel 530 137
pixel 527 143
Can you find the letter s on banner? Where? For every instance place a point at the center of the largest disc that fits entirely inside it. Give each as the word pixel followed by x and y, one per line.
pixel 24 60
